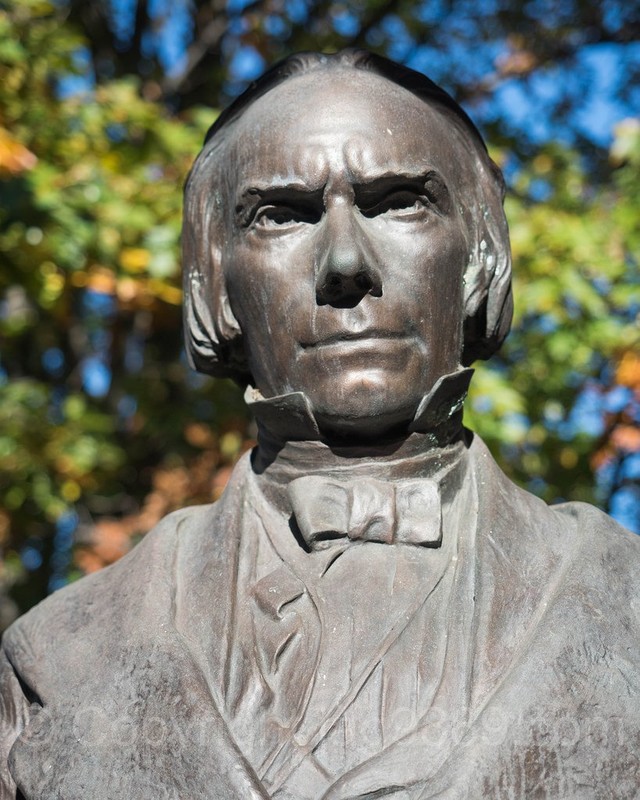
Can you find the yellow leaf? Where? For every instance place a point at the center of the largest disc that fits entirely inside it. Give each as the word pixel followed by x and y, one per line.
pixel 568 457
pixel 171 295
pixel 70 491
pixel 134 259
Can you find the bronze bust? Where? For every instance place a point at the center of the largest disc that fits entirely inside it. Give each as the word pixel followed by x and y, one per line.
pixel 372 609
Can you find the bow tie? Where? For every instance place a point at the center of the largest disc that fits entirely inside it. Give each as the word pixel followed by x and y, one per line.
pixel 407 512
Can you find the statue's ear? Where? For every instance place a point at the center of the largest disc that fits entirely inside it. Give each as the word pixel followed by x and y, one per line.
pixel 488 301
pixel 213 337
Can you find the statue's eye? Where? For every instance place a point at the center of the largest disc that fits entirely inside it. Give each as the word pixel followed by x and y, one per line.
pixel 283 217
pixel 404 203
pixel 404 198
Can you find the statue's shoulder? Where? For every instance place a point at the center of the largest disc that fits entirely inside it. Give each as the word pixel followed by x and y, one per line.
pixel 518 511
pixel 134 602
pixel 584 548
pixel 605 571
pixel 598 530
pixel 113 604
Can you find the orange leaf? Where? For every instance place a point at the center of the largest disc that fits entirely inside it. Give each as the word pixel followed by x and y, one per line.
pixel 628 370
pixel 626 437
pixel 14 156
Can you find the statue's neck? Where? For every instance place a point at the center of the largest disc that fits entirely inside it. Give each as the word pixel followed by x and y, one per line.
pixel 411 457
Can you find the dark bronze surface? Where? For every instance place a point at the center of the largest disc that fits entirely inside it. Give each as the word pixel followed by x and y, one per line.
pixel 372 609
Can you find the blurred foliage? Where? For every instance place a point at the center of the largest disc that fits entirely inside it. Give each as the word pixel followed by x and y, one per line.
pixel 203 51
pixel 99 416
pixel 103 428
pixel 575 336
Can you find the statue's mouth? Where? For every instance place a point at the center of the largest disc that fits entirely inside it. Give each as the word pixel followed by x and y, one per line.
pixel 345 337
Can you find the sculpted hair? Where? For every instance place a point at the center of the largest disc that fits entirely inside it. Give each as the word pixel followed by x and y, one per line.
pixel 212 334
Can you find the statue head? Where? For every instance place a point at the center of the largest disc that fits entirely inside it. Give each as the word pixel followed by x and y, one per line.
pixel 344 236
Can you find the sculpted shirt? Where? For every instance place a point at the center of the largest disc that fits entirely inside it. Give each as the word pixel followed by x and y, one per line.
pixel 339 652
pixel 223 658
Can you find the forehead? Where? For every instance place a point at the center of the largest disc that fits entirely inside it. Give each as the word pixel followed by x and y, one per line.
pixel 341 118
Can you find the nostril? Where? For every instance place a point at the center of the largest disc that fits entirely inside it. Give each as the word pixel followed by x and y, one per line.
pixel 363 281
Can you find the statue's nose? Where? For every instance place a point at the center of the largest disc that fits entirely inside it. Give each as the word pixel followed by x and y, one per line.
pixel 346 264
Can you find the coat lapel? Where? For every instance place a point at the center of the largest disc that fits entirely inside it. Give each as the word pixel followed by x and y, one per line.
pixel 523 553
pixel 257 632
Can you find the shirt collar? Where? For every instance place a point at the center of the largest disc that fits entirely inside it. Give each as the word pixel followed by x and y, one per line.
pixel 289 417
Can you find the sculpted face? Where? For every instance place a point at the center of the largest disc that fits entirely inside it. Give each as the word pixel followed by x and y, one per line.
pixel 347 250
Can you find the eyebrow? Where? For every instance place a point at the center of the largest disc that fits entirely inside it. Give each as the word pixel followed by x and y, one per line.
pixel 389 179
pixel 418 174
pixel 258 190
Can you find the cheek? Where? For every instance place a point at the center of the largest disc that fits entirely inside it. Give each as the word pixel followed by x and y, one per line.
pixel 429 265
pixel 448 265
pixel 268 281
pixel 250 287
pixel 437 298
pixel 265 296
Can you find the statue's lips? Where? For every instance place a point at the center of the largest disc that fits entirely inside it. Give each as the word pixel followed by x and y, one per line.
pixel 350 340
